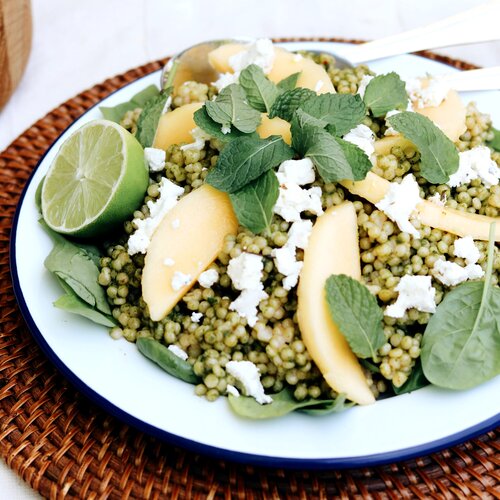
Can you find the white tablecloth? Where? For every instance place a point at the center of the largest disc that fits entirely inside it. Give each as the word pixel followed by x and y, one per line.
pixel 78 44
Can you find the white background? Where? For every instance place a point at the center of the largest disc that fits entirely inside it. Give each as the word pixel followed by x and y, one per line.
pixel 79 44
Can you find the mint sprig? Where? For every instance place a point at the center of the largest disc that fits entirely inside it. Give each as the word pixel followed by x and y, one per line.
pixel 260 91
pixel 356 313
pixel 231 108
pixel 385 93
pixel 439 156
pixel 289 83
pixel 211 127
pixel 287 103
pixel 147 122
pixel 253 204
pixel 245 159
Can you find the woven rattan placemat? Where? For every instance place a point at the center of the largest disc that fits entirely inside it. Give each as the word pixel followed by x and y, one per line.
pixel 66 447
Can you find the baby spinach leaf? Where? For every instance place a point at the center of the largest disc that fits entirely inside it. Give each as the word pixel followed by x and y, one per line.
pixel 38 195
pixel 356 312
pixel 166 359
pixel 283 403
pixel 415 381
pixel 116 113
pixel 385 93
pixel 261 92
pixel 495 142
pixel 332 406
pixel 286 104
pixel 78 270
pixel 461 344
pixel 245 159
pixel 253 204
pixel 75 305
pixel 289 83
pixel 369 366
pixel 231 108
pixel 439 156
pixel 150 116
pixel 343 111
pixel 213 128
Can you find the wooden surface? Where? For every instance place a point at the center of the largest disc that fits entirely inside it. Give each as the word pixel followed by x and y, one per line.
pixel 15 44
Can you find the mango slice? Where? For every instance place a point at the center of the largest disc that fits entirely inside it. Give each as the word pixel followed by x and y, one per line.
pixel 187 241
pixel 175 126
pixel 373 188
pixel 312 76
pixel 333 249
pixel 274 126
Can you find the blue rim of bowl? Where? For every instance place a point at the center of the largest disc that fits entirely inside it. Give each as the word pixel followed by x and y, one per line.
pixel 194 446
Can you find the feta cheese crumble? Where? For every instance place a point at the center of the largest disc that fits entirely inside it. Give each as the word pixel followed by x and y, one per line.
pixel 299 233
pixel 299 172
pixel 400 201
pixel 451 274
pixel 178 351
pixel 260 53
pixel 437 200
pixel 293 200
pixel 141 238
pixel 247 373
pixel 199 137
pixel 245 272
pixel 426 92
pixel 414 292
pixel 155 159
pixel 180 280
pixel 230 389
pixel 196 316
pixel 475 164
pixel 208 278
pixel 363 137
pixel 466 248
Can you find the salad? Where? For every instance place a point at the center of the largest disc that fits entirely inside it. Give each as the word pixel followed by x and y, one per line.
pixel 292 236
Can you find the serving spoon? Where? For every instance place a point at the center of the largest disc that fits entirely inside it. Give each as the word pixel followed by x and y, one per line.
pixel 475 25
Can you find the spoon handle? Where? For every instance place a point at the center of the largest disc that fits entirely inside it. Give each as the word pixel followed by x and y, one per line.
pixel 475 79
pixel 479 24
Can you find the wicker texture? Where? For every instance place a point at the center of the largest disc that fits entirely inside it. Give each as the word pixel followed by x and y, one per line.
pixel 66 447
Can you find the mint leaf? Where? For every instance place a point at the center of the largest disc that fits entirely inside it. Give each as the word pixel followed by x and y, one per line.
pixel 343 111
pixel 261 92
pixel 150 116
pixel 385 93
pixel 213 128
pixel 245 159
pixel 304 129
pixel 231 108
pixel 415 381
pixel 289 83
pixel 334 158
pixel 495 142
pixel 116 113
pixel 286 104
pixel 356 313
pixel 439 156
pixel 253 204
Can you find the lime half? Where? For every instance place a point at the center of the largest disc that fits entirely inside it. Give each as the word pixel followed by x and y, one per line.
pixel 96 181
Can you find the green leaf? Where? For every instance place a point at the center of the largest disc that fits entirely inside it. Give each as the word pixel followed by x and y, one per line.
pixel 150 116
pixel 253 204
pixel 73 304
pixel 286 104
pixel 38 195
pixel 260 91
pixel 385 93
pixel 282 404
pixel 335 158
pixel 289 83
pixel 245 159
pixel 495 142
pixel 231 108
pixel 356 313
pixel 304 129
pixel 166 359
pixel 213 128
pixel 343 111
pixel 415 381
pixel 461 344
pixel 116 113
pixel 327 408
pixel 439 156
pixel 78 270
